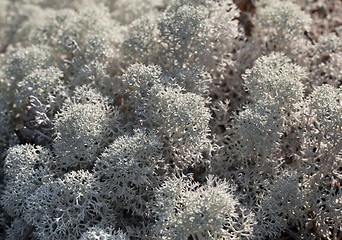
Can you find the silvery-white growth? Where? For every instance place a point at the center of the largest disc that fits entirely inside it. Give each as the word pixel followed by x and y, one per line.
pixel 181 28
pixel 128 169
pixel 49 210
pixel 259 128
pixel 24 60
pixel 188 33
pixel 138 96
pixel 82 126
pixel 44 84
pixel 26 168
pixel 322 61
pixel 275 78
pixel 326 104
pixel 282 205
pixel 96 59
pixel 99 233
pixel 180 118
pixel 194 79
pixel 185 209
pixel 140 45
pixel 138 80
pixel 322 157
pixel 282 22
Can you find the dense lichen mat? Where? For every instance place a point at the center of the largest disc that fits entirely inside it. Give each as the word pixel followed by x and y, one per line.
pixel 174 120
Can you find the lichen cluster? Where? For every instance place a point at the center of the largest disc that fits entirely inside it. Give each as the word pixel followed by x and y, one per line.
pixel 178 120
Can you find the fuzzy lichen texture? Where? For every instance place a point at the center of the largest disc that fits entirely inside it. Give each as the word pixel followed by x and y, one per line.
pixel 322 160
pixel 274 84
pixel 260 129
pixel 44 84
pixel 26 169
pixel 189 33
pixel 322 61
pixel 128 171
pixel 255 153
pixel 179 117
pixel 183 122
pixel 83 129
pixel 24 60
pixel 185 209
pixel 280 206
pixel 99 233
pixel 127 97
pixel 274 77
pixel 125 11
pixel 83 43
pixel 64 208
pixel 282 23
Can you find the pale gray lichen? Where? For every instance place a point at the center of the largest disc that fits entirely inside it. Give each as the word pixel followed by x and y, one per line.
pixel 129 169
pixel 44 84
pixel 186 209
pixel 49 210
pixel 136 97
pixel 81 131
pixel 26 168
pixel 282 23
pixel 98 233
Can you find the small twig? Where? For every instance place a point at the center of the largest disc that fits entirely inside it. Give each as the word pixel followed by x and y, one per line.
pixel 4 47
pixel 285 238
pixel 339 235
pixel 292 234
pixel 308 36
pixel 27 233
pixel 67 62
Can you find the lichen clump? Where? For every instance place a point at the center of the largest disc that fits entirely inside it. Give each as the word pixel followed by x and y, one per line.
pixel 179 120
